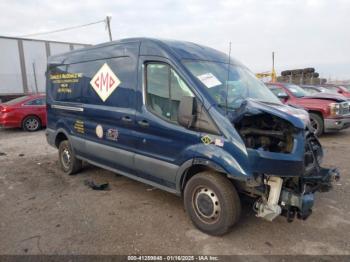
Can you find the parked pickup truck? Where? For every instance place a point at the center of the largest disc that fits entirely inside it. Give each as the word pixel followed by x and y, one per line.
pixel 339 89
pixel 328 112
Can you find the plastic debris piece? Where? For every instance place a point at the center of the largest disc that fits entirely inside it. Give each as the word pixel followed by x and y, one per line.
pixel 95 186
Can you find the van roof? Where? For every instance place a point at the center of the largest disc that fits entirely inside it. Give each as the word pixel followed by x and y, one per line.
pixel 147 46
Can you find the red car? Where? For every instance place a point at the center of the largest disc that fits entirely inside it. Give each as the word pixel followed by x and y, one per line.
pixel 27 112
pixel 328 112
pixel 343 90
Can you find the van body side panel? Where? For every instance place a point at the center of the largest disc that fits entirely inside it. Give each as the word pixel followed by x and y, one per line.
pixel 102 130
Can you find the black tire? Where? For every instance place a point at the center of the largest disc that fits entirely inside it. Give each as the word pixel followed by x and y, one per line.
pixel 67 159
pixel 212 203
pixel 323 81
pixel 296 72
pixel 309 70
pixel 285 73
pixel 311 75
pixel 317 124
pixel 31 124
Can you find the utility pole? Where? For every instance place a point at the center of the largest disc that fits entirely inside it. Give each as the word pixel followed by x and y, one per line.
pixel 108 24
pixel 35 81
pixel 273 72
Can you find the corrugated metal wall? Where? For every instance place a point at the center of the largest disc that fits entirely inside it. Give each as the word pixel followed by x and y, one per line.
pixel 23 63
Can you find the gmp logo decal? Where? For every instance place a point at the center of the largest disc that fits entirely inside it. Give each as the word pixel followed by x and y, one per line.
pixel 105 82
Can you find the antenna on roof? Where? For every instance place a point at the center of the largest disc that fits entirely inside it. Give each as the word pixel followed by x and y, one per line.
pixel 108 26
pixel 228 75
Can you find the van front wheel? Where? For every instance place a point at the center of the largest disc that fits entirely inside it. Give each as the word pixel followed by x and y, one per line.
pixel 212 203
pixel 68 161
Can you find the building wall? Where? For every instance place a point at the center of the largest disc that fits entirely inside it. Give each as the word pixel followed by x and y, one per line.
pixel 23 63
pixel 10 67
pixel 35 65
pixel 58 48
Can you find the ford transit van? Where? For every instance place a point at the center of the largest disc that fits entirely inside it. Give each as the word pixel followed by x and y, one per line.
pixel 187 119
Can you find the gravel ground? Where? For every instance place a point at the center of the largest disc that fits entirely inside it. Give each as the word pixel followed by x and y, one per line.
pixel 43 211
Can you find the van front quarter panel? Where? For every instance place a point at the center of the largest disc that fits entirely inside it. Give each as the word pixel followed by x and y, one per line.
pixel 178 116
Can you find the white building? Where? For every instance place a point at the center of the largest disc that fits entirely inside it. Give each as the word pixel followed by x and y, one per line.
pixel 23 63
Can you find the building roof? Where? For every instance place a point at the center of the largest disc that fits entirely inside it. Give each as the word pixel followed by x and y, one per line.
pixel 40 40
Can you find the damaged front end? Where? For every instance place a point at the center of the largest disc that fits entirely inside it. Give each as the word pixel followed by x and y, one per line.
pixel 285 158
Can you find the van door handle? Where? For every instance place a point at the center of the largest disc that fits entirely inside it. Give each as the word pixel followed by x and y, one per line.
pixel 126 119
pixel 143 123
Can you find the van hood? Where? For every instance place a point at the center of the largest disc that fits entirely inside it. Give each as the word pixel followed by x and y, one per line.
pixel 327 96
pixel 297 117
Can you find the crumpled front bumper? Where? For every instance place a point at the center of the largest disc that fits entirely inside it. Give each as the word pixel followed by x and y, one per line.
pixel 296 201
pixel 300 204
pixel 288 182
pixel 324 181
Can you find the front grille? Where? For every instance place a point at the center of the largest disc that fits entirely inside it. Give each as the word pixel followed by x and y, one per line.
pixel 344 108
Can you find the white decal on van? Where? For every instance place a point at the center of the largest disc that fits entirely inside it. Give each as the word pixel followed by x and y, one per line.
pixel 99 131
pixel 105 82
pixel 209 80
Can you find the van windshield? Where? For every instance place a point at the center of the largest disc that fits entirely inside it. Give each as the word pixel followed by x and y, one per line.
pixel 234 82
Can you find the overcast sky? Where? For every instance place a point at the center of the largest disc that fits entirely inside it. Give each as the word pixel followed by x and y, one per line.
pixel 303 33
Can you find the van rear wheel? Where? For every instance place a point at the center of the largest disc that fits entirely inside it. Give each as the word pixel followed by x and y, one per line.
pixel 212 203
pixel 67 159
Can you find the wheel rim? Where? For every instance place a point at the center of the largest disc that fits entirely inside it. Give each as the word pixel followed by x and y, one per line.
pixel 314 125
pixel 66 158
pixel 206 205
pixel 32 124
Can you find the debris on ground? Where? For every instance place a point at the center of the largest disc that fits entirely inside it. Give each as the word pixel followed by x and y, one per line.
pixel 95 186
pixel 3 154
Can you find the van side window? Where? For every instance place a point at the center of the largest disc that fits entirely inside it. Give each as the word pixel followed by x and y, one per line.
pixel 81 91
pixel 164 90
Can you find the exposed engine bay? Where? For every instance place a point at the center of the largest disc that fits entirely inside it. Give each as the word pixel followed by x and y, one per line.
pixel 266 132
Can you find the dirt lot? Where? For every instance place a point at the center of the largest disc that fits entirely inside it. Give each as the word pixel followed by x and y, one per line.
pixel 43 211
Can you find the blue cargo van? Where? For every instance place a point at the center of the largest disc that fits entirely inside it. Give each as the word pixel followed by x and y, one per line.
pixel 187 119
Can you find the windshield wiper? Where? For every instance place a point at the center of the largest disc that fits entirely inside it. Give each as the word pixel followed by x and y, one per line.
pixel 228 107
pixel 267 102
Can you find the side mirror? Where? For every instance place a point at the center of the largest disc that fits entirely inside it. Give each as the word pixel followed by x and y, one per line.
pixel 282 96
pixel 186 111
pixel 192 114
